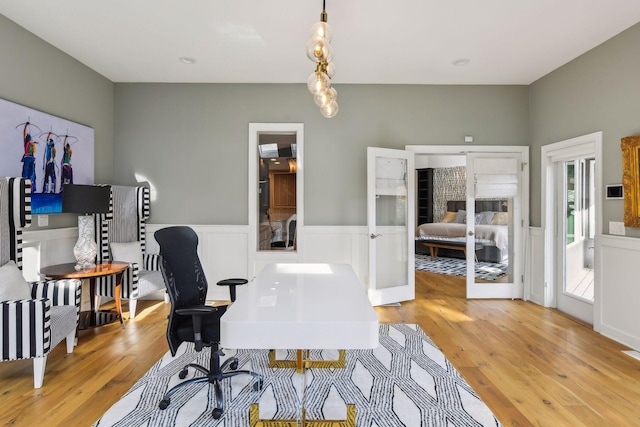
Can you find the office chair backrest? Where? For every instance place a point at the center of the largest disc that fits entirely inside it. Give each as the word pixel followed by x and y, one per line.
pixel 183 276
pixel 185 279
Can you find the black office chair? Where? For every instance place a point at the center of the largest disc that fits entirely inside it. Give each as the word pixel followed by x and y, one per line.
pixel 190 319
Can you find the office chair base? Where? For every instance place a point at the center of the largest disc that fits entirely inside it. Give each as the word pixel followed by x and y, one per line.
pixel 228 369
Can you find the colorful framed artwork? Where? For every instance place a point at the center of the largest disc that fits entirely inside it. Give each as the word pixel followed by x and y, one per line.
pixel 49 150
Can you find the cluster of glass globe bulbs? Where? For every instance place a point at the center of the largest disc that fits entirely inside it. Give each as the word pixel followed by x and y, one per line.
pixel 319 82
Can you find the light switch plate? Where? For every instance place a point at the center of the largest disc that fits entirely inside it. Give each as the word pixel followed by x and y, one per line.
pixel 616 228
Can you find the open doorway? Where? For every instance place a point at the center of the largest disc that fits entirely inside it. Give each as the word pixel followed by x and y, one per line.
pixel 475 226
pixel 578 225
pixel 572 182
pixel 441 188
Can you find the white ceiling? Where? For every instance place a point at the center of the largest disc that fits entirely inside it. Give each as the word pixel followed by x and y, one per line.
pixel 262 41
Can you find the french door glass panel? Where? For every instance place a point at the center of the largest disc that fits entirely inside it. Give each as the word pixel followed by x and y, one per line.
pixel 390 185
pixel 577 210
pixel 495 179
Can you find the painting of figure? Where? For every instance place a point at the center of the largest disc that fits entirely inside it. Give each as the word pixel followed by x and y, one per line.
pixel 48 150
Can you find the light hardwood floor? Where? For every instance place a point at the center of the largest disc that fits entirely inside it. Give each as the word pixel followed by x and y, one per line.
pixel 531 365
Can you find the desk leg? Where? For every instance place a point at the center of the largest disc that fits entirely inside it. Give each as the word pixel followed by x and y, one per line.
pixel 255 421
pixel 301 356
pixel 117 291
pixel 302 361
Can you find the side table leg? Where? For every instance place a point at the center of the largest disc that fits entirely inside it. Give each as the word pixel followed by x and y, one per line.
pixel 117 290
pixel 92 294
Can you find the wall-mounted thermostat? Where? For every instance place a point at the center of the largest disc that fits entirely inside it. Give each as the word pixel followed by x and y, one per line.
pixel 615 191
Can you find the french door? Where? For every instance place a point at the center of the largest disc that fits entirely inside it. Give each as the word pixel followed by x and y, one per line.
pixel 575 218
pixel 391 225
pixel 572 208
pixel 495 179
pixel 498 176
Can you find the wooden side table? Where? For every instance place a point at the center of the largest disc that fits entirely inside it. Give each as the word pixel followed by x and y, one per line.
pixel 93 318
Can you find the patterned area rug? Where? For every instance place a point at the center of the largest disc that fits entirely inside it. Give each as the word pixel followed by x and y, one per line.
pixel 406 381
pixel 458 267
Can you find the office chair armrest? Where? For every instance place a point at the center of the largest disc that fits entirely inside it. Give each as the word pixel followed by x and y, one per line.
pixel 232 283
pixel 196 312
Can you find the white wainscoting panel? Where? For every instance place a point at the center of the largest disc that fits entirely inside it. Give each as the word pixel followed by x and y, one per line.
pixel 617 311
pixel 42 248
pixel 223 251
pixel 339 245
pixel 534 264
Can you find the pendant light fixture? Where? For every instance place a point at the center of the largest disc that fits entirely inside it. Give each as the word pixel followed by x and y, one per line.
pixel 319 51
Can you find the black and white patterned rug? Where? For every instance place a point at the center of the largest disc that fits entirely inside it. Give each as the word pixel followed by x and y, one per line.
pixel 406 381
pixel 458 267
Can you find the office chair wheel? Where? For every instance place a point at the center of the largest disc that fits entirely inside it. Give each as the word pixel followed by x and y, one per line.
pixel 183 374
pixel 257 386
pixel 234 365
pixel 164 403
pixel 217 413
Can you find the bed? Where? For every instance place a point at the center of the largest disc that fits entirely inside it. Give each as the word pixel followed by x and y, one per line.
pixel 491 230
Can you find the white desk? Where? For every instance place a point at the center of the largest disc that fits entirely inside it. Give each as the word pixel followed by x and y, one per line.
pixel 301 306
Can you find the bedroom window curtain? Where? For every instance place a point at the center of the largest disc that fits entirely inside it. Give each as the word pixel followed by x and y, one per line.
pixel 490 184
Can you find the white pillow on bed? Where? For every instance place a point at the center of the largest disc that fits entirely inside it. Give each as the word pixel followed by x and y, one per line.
pixel 486 217
pixel 480 218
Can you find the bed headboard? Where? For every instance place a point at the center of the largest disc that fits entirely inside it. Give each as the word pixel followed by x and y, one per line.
pixel 481 205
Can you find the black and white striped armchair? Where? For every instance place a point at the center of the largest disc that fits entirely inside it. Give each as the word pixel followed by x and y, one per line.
pixel 124 228
pixel 30 327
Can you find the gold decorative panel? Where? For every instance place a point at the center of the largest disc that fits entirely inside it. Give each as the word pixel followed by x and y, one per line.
pixel 631 180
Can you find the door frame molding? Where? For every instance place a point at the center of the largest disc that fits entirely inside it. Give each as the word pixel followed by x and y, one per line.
pixel 567 149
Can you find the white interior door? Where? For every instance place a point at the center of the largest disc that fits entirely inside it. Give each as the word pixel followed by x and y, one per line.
pixel 495 177
pixel 575 203
pixel 572 208
pixel 391 224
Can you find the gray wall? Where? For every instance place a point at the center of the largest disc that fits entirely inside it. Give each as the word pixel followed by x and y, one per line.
pixel 599 91
pixel 39 76
pixel 191 140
